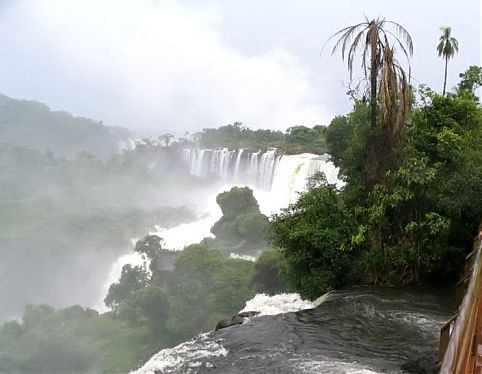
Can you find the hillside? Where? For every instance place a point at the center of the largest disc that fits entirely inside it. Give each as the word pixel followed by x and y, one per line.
pixel 33 124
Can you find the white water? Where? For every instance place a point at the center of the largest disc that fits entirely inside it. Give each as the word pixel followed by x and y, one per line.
pixel 289 180
pixel 177 238
pixel 335 367
pixel 242 257
pixel 185 357
pixel 276 180
pixel 277 304
pixel 266 171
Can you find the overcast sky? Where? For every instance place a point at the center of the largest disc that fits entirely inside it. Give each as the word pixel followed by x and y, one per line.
pixel 188 64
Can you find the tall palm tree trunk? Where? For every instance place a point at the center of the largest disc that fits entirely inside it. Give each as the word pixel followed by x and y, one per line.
pixel 373 80
pixel 445 76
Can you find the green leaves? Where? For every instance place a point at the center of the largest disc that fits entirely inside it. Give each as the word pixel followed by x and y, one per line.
pixel 414 223
pixel 242 226
pixel 315 237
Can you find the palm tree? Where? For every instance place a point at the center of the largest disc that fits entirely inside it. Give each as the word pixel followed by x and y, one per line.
pixel 377 40
pixel 394 96
pixel 446 48
pixel 373 36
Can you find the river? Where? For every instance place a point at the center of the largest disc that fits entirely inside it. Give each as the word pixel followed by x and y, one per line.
pixel 362 330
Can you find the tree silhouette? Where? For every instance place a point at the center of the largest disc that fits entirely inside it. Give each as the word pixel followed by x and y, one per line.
pixel 446 48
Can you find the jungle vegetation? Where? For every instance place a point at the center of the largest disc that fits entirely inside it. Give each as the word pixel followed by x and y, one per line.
pixel 411 163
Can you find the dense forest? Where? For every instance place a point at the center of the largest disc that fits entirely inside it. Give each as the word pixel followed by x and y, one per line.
pixel 296 139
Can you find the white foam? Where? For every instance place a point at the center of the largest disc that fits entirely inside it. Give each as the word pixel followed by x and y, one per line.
pixel 277 304
pixel 185 357
pixel 330 366
pixel 178 237
pixel 322 299
pixel 243 257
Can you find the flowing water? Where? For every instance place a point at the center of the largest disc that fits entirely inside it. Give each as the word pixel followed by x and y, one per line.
pixel 276 181
pixel 253 168
pixel 359 330
pixel 363 330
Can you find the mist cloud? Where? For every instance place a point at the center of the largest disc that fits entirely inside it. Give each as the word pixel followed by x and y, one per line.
pixel 163 65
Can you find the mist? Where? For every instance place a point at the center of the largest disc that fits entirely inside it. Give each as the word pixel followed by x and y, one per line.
pixel 157 66
pixel 71 203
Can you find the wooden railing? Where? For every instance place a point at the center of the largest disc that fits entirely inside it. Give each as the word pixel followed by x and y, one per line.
pixel 460 349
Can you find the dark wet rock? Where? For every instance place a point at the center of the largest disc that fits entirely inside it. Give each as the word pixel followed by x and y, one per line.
pixel 238 319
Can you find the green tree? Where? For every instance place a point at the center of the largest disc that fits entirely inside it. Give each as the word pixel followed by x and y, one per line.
pixel 470 82
pixel 132 279
pixel 267 277
pixel 338 136
pixel 314 235
pixel 150 247
pixel 242 226
pixel 205 288
pixel 146 306
pixel 447 48
pixel 34 315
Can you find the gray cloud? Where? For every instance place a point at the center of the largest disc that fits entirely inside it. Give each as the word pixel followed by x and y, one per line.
pixel 174 65
pixel 162 66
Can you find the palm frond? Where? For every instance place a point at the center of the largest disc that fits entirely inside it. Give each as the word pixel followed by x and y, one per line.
pixel 404 34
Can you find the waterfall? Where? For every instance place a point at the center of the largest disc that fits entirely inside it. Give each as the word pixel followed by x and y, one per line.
pixel 197 162
pixel 253 167
pixel 292 174
pixel 276 179
pixel 266 170
pixel 238 164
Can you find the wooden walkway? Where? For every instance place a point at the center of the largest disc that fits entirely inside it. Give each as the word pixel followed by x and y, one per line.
pixel 460 350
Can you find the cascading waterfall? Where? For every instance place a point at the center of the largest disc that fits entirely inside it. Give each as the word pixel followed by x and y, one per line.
pixel 238 163
pixel 282 176
pixel 266 170
pixel 253 167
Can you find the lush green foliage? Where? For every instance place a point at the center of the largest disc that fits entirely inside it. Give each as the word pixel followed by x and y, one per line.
pixel 296 139
pixel 242 227
pixel 205 288
pixel 72 340
pixel 268 272
pixel 149 313
pixel 315 234
pixel 132 279
pixel 415 224
pixel 470 82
